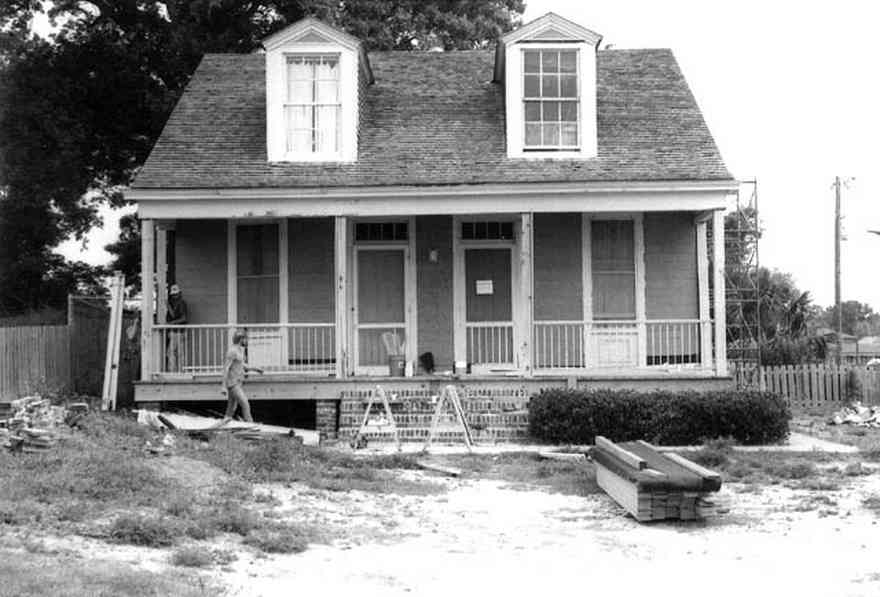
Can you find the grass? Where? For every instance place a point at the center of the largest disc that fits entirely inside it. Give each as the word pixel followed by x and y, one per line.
pixel 145 530
pixel 528 469
pixel 36 575
pixel 285 539
pixel 192 556
pixel 872 503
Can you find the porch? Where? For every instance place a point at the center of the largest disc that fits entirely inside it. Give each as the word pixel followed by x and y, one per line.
pixel 526 295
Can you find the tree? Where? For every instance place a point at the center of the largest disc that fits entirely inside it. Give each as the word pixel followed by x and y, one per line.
pixel 857 319
pixel 79 113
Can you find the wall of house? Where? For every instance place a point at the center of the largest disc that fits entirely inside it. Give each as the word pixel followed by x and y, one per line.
pixel 558 278
pixel 434 289
pixel 671 266
pixel 310 266
pixel 201 269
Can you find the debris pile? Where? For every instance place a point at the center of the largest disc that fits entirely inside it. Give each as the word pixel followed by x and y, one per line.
pixel 858 415
pixel 198 426
pixel 33 422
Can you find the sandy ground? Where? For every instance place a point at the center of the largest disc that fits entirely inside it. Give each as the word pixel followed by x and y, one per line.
pixel 489 537
pixel 485 537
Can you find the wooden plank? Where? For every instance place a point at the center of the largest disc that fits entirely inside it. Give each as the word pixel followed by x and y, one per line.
pixel 562 456
pixel 623 492
pixel 147 252
pixel 340 248
pixel 525 290
pixel 626 456
pixel 693 467
pixel 720 306
pixel 437 468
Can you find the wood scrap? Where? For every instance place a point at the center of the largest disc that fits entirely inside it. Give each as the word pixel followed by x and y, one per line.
pixel 437 468
pixel 563 456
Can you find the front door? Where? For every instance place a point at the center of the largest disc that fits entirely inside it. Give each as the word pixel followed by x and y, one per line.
pixel 258 292
pixel 489 308
pixel 380 309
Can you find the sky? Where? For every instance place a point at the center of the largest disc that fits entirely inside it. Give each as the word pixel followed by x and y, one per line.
pixel 790 91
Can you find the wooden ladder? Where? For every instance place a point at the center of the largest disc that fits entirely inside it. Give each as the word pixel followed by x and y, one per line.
pixel 452 394
pixel 389 427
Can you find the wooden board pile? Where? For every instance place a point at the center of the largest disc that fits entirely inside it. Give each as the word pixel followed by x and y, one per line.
pixel 654 486
pixel 205 426
pixel 33 423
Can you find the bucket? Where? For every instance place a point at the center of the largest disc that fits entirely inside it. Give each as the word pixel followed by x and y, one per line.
pixel 396 366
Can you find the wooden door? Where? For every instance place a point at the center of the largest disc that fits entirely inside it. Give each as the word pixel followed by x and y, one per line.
pixel 489 306
pixel 380 305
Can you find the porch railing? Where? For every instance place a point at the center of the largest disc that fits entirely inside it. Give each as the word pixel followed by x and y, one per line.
pixel 490 343
pixel 566 345
pixel 302 348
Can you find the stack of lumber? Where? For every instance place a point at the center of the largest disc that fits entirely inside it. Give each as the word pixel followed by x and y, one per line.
pixel 202 426
pixel 32 424
pixel 651 485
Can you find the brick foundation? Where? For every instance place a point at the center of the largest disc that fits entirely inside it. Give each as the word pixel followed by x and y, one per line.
pixel 326 418
pixel 494 415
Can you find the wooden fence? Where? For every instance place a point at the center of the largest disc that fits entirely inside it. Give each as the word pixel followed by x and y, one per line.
pixel 817 386
pixel 34 359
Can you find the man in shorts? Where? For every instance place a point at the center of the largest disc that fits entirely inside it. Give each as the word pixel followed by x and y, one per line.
pixel 233 377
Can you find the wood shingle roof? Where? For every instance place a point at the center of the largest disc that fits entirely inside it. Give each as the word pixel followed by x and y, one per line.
pixel 434 119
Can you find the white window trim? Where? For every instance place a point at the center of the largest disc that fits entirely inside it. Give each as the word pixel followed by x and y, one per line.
pixel 577 100
pixel 276 99
pixel 514 100
pixel 288 102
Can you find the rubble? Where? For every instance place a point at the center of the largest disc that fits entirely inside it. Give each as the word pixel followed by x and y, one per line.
pixel 857 414
pixel 32 423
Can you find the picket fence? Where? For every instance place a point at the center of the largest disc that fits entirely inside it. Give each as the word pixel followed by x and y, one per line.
pixel 817 386
pixel 34 359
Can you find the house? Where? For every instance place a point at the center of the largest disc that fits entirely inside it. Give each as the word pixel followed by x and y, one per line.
pixel 535 215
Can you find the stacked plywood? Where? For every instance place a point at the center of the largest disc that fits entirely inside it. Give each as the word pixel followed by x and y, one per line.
pixel 651 485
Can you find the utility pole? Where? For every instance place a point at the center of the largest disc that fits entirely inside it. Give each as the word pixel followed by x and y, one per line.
pixel 837 267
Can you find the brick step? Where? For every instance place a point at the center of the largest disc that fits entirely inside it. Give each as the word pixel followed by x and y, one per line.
pixel 424 420
pixel 491 434
pixel 428 407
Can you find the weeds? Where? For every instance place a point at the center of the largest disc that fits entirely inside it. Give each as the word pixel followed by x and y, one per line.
pixel 192 556
pixel 278 540
pixel 148 531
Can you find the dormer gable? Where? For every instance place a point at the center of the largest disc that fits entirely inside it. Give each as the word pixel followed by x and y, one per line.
pixel 314 76
pixel 548 70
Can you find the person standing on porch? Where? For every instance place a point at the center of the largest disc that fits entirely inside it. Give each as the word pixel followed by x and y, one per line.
pixel 233 378
pixel 176 315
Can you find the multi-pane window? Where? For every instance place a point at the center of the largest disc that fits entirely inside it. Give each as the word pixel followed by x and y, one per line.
pixel 313 104
pixel 551 100
pixel 381 232
pixel 480 230
pixel 614 269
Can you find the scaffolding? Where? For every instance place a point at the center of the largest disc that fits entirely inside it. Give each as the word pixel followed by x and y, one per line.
pixel 742 287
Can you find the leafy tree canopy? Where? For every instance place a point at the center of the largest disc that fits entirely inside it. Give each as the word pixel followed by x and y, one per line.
pixel 80 112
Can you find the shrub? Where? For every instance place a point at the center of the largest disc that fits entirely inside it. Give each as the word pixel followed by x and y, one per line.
pixel 150 531
pixel 566 416
pixel 282 540
pixel 192 556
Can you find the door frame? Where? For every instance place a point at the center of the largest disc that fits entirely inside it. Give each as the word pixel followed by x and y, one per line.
pixel 232 225
pixel 410 311
pixel 459 284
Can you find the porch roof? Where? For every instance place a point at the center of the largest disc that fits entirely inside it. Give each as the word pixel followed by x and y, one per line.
pixel 434 119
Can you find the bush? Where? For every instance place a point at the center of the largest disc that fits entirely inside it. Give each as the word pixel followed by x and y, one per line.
pixel 564 416
pixel 192 556
pixel 281 540
pixel 149 531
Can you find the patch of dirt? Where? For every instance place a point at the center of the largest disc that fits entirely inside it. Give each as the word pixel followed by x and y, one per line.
pixel 188 472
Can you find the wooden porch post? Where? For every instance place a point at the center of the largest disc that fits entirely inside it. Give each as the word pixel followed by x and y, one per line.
pixel 720 294
pixel 640 290
pixel 148 246
pixel 161 273
pixel 703 293
pixel 341 273
pixel 526 266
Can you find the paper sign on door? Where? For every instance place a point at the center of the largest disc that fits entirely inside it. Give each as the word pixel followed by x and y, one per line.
pixel 485 287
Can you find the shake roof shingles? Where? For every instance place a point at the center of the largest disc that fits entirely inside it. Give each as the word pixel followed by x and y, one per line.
pixel 434 119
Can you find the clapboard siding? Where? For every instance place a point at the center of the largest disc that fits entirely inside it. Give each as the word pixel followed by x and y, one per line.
pixel 310 266
pixel 201 270
pixel 434 293
pixel 558 278
pixel 671 290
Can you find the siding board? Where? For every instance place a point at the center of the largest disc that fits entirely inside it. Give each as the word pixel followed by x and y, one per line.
pixel 434 288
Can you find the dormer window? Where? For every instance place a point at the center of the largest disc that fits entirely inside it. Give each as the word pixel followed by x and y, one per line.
pixel 313 107
pixel 551 103
pixel 315 78
pixel 548 69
